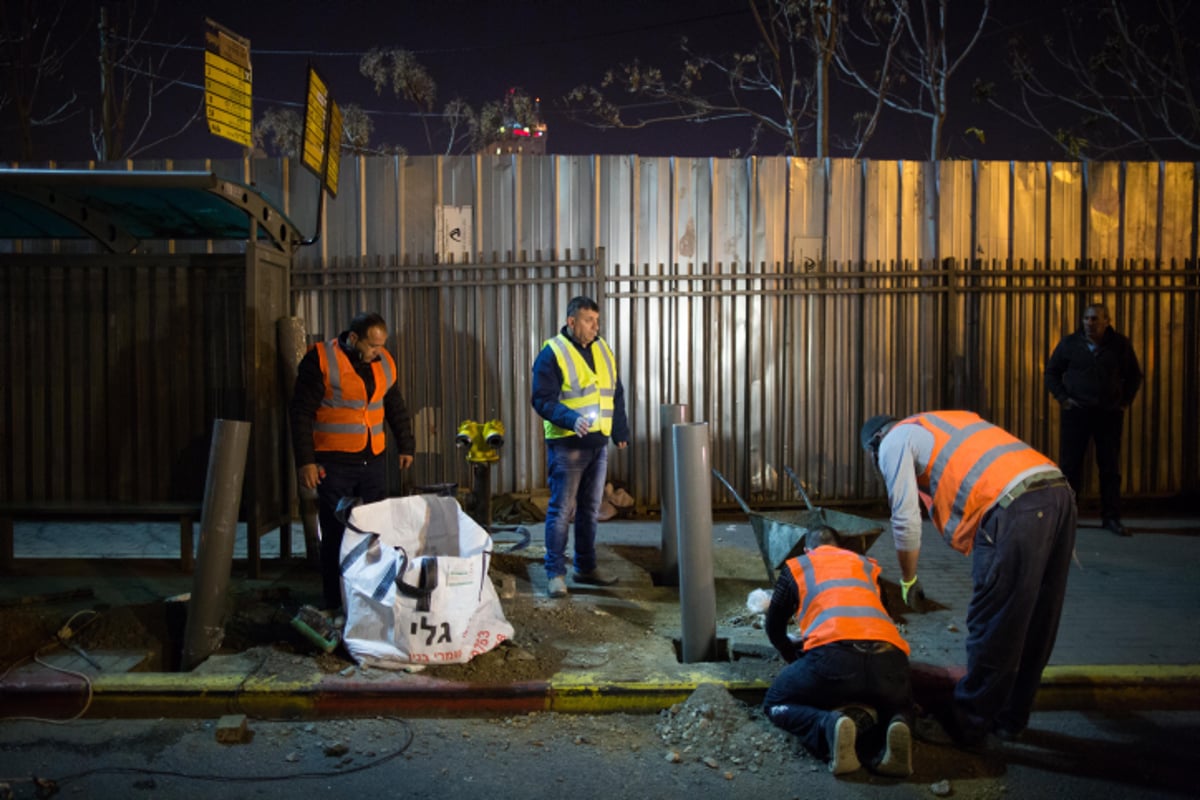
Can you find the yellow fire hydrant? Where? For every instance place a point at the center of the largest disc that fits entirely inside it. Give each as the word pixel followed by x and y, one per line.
pixel 484 439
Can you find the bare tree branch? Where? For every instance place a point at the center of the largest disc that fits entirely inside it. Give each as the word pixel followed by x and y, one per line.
pixel 1130 92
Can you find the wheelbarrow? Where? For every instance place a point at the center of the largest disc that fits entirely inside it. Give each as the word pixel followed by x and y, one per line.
pixel 780 535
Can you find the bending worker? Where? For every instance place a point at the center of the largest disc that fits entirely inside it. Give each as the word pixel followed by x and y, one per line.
pixel 991 495
pixel 851 653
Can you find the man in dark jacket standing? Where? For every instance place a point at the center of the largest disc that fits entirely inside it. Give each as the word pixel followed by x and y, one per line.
pixel 345 389
pixel 1094 374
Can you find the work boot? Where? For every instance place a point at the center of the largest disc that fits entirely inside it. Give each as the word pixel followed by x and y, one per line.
pixel 842 756
pixel 896 761
pixel 557 587
pixel 596 577
pixel 1113 524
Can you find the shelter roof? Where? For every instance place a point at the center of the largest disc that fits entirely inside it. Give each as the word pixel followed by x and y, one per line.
pixel 120 209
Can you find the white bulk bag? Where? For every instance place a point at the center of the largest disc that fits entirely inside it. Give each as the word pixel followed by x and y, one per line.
pixel 415 584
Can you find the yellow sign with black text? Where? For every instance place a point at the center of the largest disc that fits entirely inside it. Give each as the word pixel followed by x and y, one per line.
pixel 228 82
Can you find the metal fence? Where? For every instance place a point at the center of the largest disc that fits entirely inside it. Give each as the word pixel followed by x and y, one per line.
pixel 782 300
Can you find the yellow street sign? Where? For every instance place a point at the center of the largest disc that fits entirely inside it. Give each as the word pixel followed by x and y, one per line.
pixel 316 123
pixel 333 160
pixel 228 93
pixel 233 135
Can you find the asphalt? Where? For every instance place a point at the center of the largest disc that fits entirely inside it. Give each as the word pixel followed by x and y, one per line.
pixel 1129 636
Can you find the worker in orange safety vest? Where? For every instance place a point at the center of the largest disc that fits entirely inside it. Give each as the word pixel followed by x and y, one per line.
pixel 849 667
pixel 991 495
pixel 346 388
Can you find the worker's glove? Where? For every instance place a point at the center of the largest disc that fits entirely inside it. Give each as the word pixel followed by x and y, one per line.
pixel 913 594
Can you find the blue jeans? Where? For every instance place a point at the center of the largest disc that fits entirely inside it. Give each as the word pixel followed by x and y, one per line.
pixel 576 486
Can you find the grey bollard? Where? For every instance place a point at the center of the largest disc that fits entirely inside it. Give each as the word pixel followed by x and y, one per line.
pixel 205 628
pixel 669 416
pixel 293 344
pixel 693 519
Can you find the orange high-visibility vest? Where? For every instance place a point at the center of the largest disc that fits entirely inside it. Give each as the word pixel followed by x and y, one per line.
pixel 346 417
pixel 971 464
pixel 839 599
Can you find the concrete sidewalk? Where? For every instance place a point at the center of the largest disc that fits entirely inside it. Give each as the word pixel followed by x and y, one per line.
pixel 1130 633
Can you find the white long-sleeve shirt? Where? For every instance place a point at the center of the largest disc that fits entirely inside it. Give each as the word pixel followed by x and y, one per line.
pixel 904 453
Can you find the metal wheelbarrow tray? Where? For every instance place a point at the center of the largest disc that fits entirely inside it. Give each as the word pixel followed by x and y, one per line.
pixel 780 535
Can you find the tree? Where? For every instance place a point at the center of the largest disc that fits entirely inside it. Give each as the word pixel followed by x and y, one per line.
pixel 280 132
pixel 1121 80
pixel 406 76
pixel 131 81
pixel 34 48
pixel 918 62
pixel 780 84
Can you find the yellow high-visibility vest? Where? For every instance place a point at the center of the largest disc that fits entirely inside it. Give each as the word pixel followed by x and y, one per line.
pixel 587 391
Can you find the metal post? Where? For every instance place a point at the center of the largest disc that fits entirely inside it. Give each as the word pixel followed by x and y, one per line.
pixel 669 416
pixel 293 344
pixel 205 626
pixel 693 519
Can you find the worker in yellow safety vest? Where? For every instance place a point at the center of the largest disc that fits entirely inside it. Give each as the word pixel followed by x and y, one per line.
pixel 580 398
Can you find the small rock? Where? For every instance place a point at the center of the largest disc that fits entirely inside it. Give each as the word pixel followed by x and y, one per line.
pixel 728 776
pixel 941 788
pixel 674 757
pixel 336 750
pixel 292 758
pixel 952 628
pixel 710 762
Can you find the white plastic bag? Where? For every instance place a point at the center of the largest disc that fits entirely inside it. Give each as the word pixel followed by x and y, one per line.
pixel 415 584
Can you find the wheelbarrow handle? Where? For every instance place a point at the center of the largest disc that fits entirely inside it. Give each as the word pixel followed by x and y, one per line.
pixel 799 487
pixel 732 491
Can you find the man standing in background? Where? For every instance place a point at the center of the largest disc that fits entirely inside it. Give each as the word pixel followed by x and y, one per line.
pixel 1094 375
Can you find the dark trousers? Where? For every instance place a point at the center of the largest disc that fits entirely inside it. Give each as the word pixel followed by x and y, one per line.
pixel 1083 425
pixel 802 697
pixel 1019 574
pixel 363 479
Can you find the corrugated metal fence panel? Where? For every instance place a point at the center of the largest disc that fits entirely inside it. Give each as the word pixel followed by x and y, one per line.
pixel 1103 197
pixel 1029 212
pixel 956 184
pixel 716 296
pixel 1178 215
pixel 1066 211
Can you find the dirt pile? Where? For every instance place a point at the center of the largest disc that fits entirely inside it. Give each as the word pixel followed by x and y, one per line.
pixel 721 732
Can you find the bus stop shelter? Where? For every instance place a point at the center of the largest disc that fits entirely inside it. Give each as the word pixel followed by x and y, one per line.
pixel 136 309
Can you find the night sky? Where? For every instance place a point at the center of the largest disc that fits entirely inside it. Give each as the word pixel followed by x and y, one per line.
pixel 479 50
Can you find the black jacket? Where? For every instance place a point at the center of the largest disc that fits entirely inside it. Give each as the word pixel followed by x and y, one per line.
pixel 310 391
pixel 1107 379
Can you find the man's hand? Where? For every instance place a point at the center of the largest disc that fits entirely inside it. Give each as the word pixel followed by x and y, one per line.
pixel 310 475
pixel 405 461
pixel 622 445
pixel 913 594
pixel 582 426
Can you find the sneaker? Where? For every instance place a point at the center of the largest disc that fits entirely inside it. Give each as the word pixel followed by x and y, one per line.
pixel 842 756
pixel 897 754
pixel 596 577
pixel 1113 524
pixel 557 587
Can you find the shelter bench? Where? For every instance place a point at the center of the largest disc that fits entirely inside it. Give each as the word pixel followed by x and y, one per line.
pixel 186 512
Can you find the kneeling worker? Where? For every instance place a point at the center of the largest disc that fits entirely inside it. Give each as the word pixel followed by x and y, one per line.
pixel 851 655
